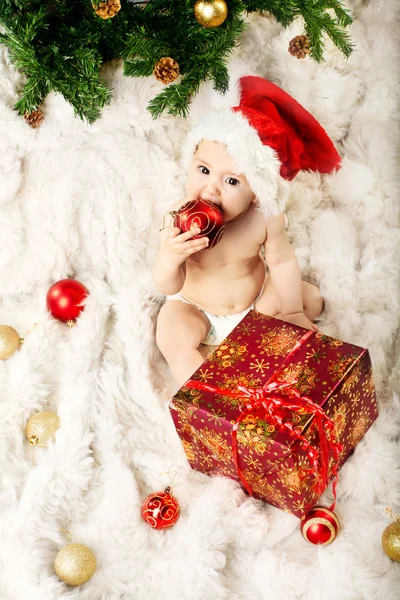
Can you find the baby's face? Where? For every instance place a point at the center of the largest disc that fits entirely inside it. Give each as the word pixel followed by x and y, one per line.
pixel 212 177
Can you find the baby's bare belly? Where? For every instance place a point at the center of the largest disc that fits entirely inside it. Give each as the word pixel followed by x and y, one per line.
pixel 225 291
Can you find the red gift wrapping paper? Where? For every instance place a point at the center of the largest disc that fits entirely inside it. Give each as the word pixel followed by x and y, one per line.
pixel 221 436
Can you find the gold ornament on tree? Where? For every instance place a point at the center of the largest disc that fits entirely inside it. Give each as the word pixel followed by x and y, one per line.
pixel 75 563
pixel 107 9
pixel 166 70
pixel 299 46
pixel 9 341
pixel 40 428
pixel 391 538
pixel 210 13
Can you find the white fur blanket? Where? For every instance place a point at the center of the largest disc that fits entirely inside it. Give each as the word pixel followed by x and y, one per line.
pixel 86 202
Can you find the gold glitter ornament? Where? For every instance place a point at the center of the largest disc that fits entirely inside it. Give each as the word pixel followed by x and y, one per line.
pixel 210 13
pixel 75 564
pixel 40 428
pixel 391 540
pixel 9 341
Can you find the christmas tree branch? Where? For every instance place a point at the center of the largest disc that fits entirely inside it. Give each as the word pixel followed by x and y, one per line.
pixel 60 45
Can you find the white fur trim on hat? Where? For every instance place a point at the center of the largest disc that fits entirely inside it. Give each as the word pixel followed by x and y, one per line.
pixel 258 162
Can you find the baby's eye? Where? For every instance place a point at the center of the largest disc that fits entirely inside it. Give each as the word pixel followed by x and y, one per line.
pixel 232 181
pixel 204 170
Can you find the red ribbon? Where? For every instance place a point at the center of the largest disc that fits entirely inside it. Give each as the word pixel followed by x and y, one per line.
pixel 273 404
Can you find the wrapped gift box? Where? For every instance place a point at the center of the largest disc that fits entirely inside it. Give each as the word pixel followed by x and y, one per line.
pixel 227 429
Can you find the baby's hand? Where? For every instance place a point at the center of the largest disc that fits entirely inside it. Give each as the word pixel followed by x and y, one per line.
pixel 177 246
pixel 301 320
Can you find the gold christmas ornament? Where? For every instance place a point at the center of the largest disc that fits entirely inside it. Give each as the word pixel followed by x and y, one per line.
pixel 107 9
pixel 75 564
pixel 9 341
pixel 391 540
pixel 210 13
pixel 40 428
pixel 166 70
pixel 299 46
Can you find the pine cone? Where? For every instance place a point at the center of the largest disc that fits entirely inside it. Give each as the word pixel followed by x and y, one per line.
pixel 299 46
pixel 34 118
pixel 107 9
pixel 166 70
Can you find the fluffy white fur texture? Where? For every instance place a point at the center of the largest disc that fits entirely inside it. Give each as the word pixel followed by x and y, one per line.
pixel 87 202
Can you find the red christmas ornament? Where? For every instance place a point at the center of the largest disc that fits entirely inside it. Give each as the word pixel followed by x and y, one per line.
pixel 64 299
pixel 203 214
pixel 320 526
pixel 161 510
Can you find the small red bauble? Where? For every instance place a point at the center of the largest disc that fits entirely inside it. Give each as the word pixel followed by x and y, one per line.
pixel 320 526
pixel 64 299
pixel 203 214
pixel 161 510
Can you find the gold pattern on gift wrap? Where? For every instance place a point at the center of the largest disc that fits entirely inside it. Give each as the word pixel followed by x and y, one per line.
pixel 39 429
pixel 216 417
pixel 368 386
pixel 292 479
pixel 359 429
pixel 260 365
pixel 351 380
pixel 278 341
pixel 213 441
pixel 317 355
pixel 306 377
pixel 260 486
pixel 204 376
pixel 246 328
pixel 252 462
pixel 326 339
pixel 339 366
pixel 339 419
pixel 188 448
pixel 205 459
pixel 299 505
pixel 232 382
pixel 228 354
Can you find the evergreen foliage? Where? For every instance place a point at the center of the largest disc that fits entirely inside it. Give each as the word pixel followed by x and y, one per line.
pixel 60 45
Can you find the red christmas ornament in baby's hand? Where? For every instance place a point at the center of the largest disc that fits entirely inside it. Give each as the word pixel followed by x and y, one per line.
pixel 203 214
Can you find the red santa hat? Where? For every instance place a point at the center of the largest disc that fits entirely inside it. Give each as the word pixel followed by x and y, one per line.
pixel 270 136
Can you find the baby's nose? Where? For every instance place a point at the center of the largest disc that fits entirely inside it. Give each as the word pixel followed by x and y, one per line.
pixel 211 192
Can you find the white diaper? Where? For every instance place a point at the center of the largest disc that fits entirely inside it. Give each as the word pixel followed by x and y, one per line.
pixel 220 326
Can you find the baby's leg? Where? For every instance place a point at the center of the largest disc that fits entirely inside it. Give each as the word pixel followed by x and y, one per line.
pixel 180 330
pixel 268 302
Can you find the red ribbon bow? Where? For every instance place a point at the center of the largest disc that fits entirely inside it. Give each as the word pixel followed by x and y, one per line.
pixel 275 405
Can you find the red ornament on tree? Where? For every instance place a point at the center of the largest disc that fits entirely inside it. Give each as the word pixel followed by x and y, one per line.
pixel 203 214
pixel 320 526
pixel 64 299
pixel 161 510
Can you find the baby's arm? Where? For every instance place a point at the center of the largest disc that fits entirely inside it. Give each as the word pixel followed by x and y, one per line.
pixel 285 272
pixel 169 270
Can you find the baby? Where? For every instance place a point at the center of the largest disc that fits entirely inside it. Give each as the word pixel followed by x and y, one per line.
pixel 209 290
